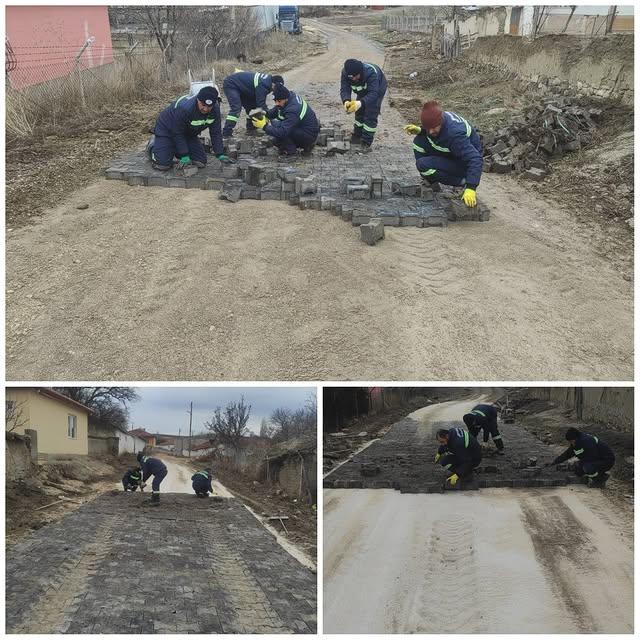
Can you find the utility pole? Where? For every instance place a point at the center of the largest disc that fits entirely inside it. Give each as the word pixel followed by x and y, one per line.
pixel 190 412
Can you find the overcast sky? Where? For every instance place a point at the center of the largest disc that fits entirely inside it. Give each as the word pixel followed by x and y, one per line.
pixel 164 409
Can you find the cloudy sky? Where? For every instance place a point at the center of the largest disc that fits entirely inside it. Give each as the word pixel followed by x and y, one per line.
pixel 164 409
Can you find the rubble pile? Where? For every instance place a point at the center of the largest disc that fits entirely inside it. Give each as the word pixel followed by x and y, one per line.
pixel 545 130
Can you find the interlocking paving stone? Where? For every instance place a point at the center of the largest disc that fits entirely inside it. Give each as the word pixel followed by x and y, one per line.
pixel 119 565
pixel 390 162
pixel 405 459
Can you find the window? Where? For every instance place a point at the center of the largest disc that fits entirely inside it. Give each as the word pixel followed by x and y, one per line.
pixel 71 426
pixel 10 408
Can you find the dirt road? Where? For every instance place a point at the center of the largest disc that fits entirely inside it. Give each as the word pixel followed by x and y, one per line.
pixel 494 561
pixel 152 283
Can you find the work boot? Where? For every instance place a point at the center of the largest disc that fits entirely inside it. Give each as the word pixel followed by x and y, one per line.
pixel 500 452
pixel 600 481
pixel 365 147
pixel 160 167
pixel 155 499
pixel 355 140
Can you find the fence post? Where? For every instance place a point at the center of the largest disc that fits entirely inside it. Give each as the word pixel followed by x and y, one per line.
pixel 130 57
pixel 78 56
pixel 188 61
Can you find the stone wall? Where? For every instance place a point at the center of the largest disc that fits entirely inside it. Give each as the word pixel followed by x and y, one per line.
pixel 102 446
pixel 289 475
pixel 18 457
pixel 613 405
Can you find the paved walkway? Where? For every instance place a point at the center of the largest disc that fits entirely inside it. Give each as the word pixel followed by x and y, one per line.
pixel 404 457
pixel 118 565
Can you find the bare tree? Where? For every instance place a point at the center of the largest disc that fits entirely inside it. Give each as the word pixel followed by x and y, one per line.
pixel 293 423
pixel 267 430
pixel 13 415
pixel 164 23
pixel 230 426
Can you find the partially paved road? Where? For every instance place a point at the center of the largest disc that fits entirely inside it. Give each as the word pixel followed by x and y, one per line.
pixel 119 565
pixel 156 283
pixel 493 561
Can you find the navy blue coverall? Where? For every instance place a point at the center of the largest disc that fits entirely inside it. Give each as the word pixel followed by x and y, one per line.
pixel 293 126
pixel 454 157
pixel 177 131
pixel 153 467
pixel 462 453
pixel 201 483
pixel 131 479
pixel 244 90
pixel 595 457
pixel 370 91
pixel 485 419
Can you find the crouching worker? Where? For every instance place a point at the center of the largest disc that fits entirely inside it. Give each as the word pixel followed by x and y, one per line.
pixel 595 456
pixel 459 453
pixel 178 127
pixel 201 483
pixel 293 122
pixel 156 468
pixel 447 150
pixel 484 417
pixel 132 479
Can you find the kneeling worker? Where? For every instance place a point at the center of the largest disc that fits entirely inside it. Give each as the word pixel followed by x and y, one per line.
pixel 132 479
pixel 458 453
pixel 484 417
pixel 447 149
pixel 178 128
pixel 293 122
pixel 595 457
pixel 152 467
pixel 201 483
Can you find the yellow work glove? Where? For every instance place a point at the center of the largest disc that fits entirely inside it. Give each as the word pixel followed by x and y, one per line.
pixel 259 123
pixel 438 456
pixel 469 197
pixel 346 105
pixel 351 107
pixel 411 129
pixel 452 479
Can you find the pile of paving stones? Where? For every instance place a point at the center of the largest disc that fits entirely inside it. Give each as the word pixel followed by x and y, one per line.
pixel 404 460
pixel 335 177
pixel 545 130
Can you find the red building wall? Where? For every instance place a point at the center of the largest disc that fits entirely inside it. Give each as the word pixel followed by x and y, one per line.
pixel 46 39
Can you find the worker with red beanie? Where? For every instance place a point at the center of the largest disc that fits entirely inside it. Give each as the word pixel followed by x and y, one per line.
pixel 447 150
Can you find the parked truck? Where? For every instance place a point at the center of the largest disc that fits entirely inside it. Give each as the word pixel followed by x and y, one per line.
pixel 289 19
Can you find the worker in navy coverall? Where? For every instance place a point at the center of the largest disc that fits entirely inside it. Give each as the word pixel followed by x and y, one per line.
pixel 132 479
pixel 292 122
pixel 246 90
pixel 484 417
pixel 459 453
pixel 178 127
pixel 369 84
pixel 447 150
pixel 595 457
pixel 152 467
pixel 201 483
